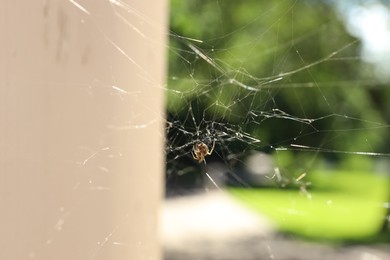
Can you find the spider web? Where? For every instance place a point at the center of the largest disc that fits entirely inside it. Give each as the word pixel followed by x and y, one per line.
pixel 304 91
pixel 252 77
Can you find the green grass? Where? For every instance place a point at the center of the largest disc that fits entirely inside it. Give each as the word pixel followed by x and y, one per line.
pixel 340 206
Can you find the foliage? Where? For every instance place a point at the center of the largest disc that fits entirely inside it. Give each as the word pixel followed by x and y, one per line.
pixel 254 42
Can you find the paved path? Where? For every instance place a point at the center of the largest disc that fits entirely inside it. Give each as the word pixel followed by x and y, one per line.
pixel 213 225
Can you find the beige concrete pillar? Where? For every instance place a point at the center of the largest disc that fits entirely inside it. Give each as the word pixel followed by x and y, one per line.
pixel 81 128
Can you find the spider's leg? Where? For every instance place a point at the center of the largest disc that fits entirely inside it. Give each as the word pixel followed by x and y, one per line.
pixel 194 153
pixel 212 148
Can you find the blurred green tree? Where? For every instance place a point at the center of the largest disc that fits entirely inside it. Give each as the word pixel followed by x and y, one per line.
pixel 306 81
pixel 283 72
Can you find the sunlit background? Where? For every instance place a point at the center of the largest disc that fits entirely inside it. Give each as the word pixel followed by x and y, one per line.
pixel 295 96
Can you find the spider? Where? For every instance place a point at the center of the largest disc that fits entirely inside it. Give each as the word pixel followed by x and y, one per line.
pixel 201 150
